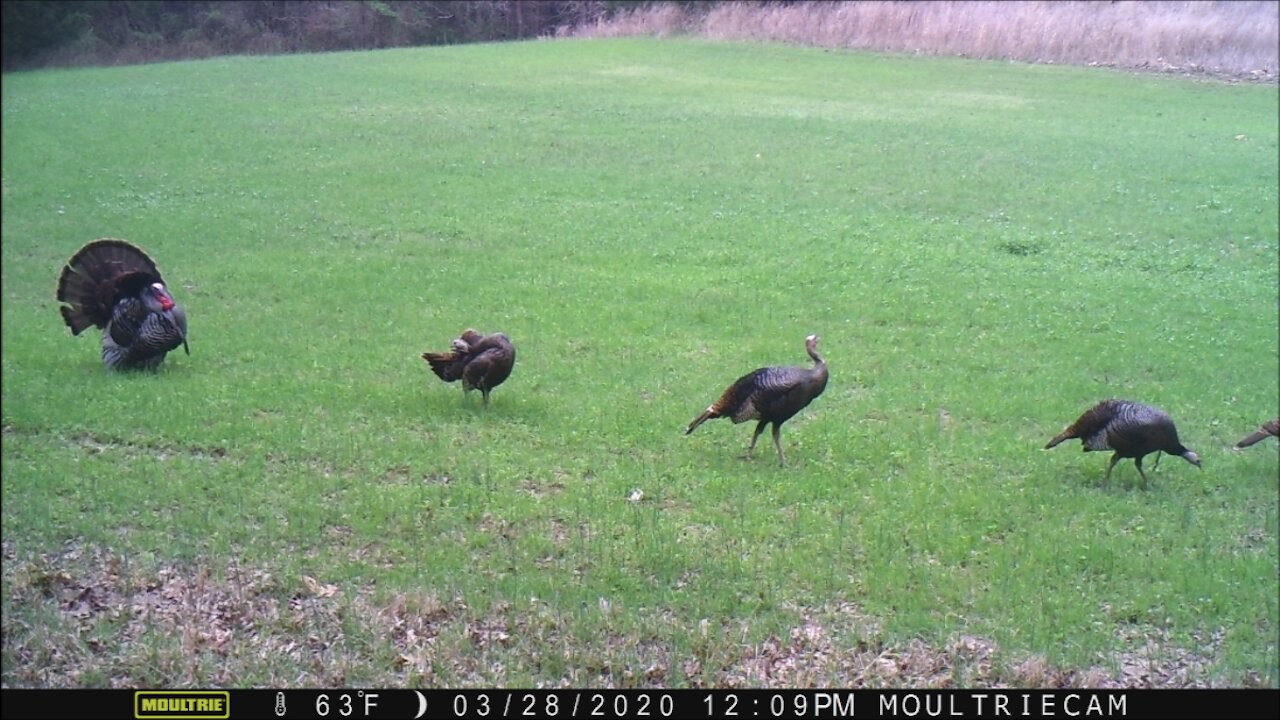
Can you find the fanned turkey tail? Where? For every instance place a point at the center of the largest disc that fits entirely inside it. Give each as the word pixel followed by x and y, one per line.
pixel 96 276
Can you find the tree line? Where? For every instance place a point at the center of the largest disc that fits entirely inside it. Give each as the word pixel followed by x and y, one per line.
pixel 92 32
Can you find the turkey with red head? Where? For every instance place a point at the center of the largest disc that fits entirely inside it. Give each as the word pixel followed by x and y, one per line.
pixel 482 362
pixel 115 286
pixel 770 395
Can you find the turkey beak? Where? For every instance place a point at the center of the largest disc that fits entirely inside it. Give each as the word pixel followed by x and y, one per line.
pixel 1193 458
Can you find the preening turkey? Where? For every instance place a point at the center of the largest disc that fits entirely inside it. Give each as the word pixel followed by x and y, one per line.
pixel 481 362
pixel 1268 429
pixel 1130 429
pixel 114 285
pixel 770 395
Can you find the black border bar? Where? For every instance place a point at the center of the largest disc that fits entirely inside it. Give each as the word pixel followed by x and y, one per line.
pixel 570 704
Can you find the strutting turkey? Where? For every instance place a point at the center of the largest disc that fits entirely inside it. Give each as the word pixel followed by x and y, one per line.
pixel 1268 429
pixel 481 362
pixel 770 395
pixel 1130 429
pixel 114 285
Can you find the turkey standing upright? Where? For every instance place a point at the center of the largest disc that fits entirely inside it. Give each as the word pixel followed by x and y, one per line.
pixel 770 395
pixel 481 362
pixel 1132 430
pixel 114 285
pixel 1268 429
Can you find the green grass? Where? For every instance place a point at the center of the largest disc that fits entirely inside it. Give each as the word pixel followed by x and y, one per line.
pixel 985 248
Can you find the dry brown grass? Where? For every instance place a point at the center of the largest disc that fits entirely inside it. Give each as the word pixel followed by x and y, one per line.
pixel 1228 39
pixel 88 617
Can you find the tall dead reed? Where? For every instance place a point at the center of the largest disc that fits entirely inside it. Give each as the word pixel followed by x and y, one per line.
pixel 1235 39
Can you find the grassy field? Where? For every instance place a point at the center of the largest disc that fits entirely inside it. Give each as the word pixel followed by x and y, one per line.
pixel 986 249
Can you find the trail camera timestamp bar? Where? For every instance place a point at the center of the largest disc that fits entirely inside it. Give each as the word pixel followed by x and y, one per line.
pixel 571 704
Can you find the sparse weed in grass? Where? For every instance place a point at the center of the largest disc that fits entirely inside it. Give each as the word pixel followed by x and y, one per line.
pixel 984 248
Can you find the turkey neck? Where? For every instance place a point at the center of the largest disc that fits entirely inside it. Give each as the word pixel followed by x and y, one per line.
pixel 819 365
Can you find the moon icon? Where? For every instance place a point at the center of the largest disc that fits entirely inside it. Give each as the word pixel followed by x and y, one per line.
pixel 422 704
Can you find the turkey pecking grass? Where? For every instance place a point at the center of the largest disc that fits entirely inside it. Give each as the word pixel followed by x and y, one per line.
pixel 1131 429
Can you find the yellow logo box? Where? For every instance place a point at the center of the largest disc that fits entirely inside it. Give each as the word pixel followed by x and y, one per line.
pixel 181 704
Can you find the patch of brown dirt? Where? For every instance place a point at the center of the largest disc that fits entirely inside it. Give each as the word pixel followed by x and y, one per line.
pixel 88 617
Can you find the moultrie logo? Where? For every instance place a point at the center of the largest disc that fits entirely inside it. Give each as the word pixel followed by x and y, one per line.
pixel 181 704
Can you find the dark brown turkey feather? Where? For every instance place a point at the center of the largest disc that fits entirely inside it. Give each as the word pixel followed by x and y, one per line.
pixel 98 274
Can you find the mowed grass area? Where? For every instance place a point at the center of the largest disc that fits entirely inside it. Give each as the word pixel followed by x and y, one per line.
pixel 986 250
